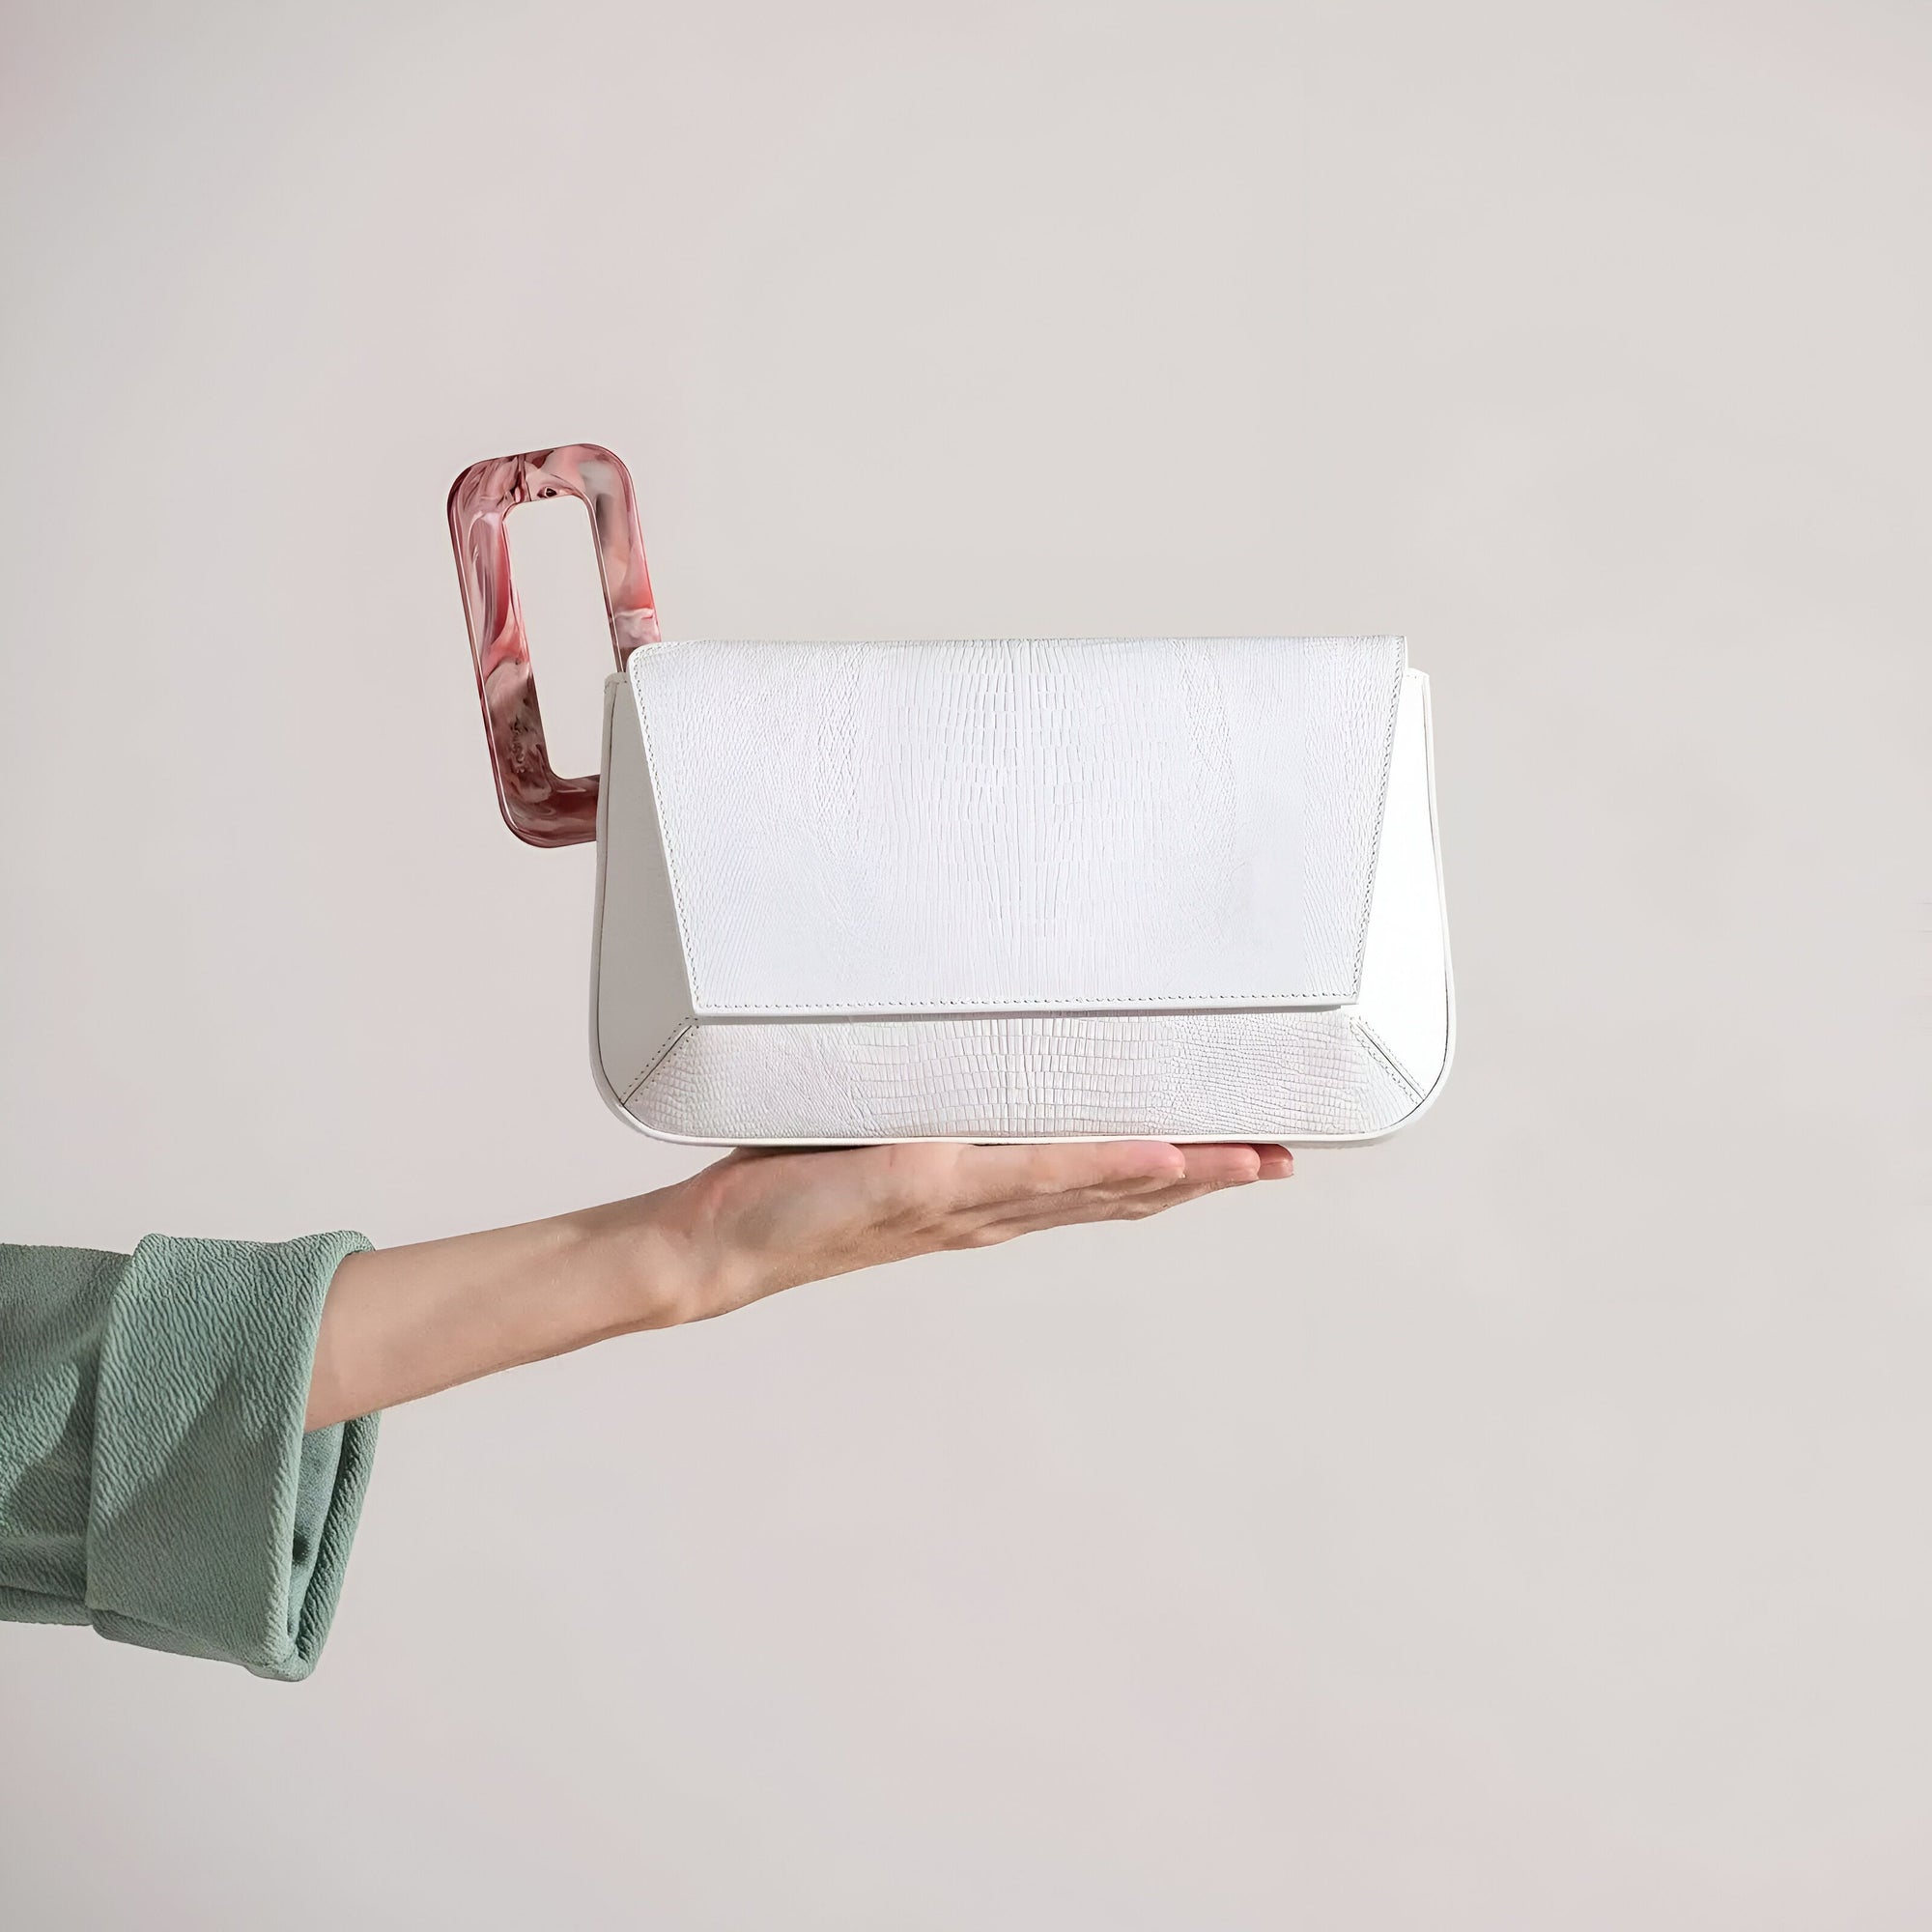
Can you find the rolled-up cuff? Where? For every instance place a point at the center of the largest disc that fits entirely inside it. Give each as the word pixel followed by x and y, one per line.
pixel 217 1528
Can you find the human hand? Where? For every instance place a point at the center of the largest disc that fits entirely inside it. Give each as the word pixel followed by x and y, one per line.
pixel 403 1322
pixel 755 1222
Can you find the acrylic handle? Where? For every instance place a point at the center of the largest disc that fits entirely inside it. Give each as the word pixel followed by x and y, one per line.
pixel 539 807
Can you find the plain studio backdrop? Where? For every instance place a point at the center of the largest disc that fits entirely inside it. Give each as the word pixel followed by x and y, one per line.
pixel 1521 1524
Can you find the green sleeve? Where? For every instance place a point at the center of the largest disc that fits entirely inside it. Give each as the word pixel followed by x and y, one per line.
pixel 155 1479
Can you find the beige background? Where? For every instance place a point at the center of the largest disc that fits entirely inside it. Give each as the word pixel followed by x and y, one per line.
pixel 1523 1524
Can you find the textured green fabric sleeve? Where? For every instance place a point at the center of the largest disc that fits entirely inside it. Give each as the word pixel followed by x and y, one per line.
pixel 155 1479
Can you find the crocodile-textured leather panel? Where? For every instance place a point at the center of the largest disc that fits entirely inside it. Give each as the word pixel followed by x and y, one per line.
pixel 1291 1076
pixel 901 829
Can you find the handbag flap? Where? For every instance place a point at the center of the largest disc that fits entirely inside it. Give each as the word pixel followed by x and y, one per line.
pixel 1056 826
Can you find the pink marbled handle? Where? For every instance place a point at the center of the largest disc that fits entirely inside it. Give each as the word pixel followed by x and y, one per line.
pixel 539 807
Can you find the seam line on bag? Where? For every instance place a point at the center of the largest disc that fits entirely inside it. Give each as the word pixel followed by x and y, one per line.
pixel 1075 1005
pixel 656 1058
pixel 1370 1039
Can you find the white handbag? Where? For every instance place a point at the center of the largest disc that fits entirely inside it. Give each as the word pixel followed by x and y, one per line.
pixel 1186 889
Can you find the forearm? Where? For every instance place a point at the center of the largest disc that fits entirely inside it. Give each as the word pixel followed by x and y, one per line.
pixel 402 1322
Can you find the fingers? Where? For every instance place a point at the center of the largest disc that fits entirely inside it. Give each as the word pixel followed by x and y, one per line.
pixel 1021 1173
pixel 1209 1169
pixel 1222 1166
pixel 1078 1210
pixel 999 1173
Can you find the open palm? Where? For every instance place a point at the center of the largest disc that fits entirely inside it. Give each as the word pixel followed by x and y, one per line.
pixel 758 1222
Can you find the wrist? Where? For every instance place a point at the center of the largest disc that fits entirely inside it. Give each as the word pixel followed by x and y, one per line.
pixel 642 1262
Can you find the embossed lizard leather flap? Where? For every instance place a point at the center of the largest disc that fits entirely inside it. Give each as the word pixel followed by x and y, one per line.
pixel 1068 826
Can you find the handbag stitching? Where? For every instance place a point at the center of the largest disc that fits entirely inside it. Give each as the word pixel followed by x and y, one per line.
pixel 684 1035
pixel 656 1058
pixel 976 1006
pixel 1370 1041
pixel 1058 1003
